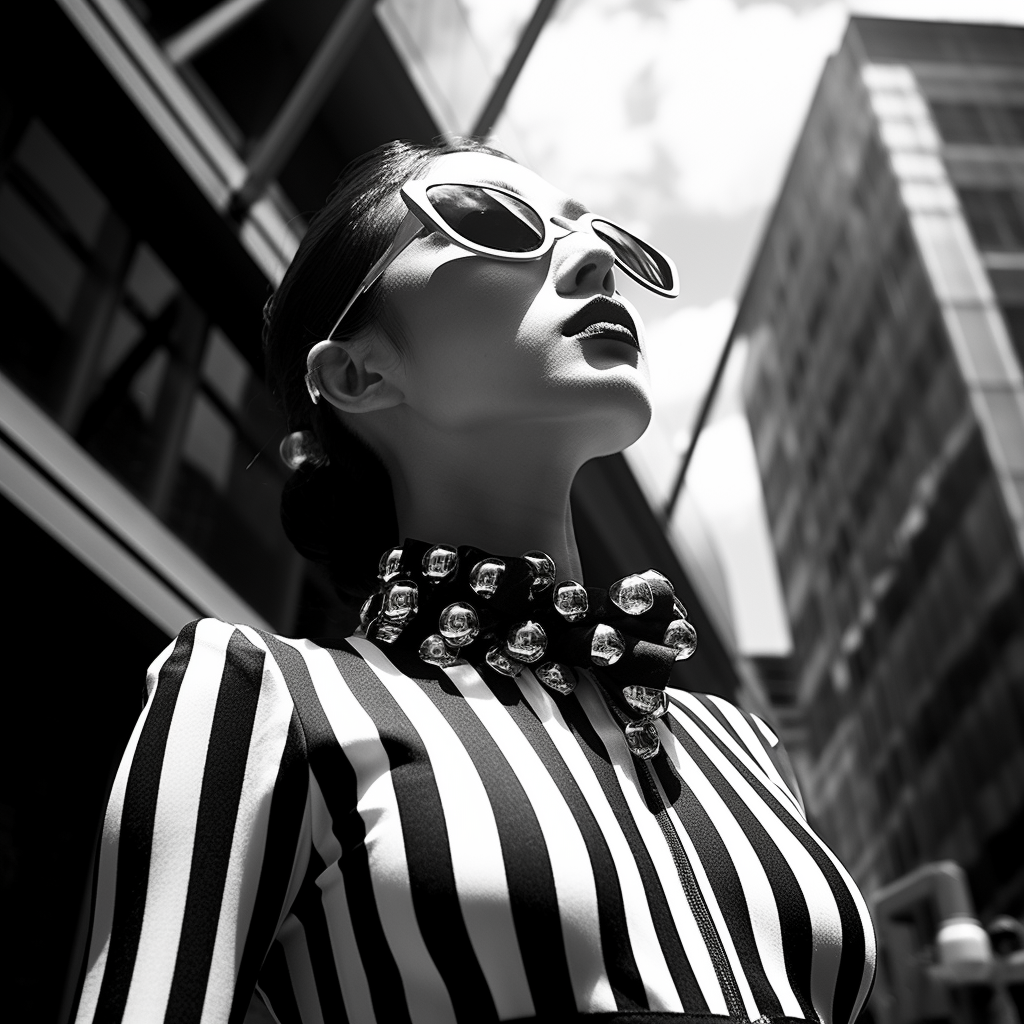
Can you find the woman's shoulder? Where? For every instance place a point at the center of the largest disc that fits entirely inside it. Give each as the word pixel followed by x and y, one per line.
pixel 249 687
pixel 203 652
pixel 742 733
pixel 211 654
pixel 752 727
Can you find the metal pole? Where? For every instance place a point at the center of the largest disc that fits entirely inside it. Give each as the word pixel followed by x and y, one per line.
pixel 499 94
pixel 208 28
pixel 271 153
pixel 702 416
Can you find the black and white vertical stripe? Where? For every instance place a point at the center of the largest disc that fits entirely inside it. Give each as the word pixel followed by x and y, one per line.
pixel 365 845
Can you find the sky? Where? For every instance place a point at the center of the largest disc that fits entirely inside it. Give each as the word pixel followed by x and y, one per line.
pixel 677 118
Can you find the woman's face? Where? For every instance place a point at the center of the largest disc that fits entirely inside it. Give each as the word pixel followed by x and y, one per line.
pixel 488 342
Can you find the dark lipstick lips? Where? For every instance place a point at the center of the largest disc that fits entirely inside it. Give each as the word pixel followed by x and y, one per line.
pixel 602 312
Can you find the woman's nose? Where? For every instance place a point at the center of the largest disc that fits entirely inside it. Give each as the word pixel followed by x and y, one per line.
pixel 585 265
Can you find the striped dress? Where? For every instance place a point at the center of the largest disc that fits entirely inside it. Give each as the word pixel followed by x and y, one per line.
pixel 358 837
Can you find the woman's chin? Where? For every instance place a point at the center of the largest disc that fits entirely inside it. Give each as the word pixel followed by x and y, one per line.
pixel 631 431
pixel 617 416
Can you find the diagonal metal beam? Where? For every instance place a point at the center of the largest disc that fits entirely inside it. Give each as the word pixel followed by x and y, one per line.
pixel 499 94
pixel 272 152
pixel 187 44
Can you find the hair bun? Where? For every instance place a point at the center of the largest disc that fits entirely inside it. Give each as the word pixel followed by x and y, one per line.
pixel 341 513
pixel 306 511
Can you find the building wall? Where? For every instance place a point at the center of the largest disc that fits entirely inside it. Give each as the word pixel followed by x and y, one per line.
pixel 884 393
pixel 107 341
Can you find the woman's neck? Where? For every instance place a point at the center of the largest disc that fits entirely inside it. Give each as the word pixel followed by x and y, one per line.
pixel 504 494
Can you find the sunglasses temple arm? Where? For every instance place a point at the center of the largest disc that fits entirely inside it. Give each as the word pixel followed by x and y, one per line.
pixel 410 229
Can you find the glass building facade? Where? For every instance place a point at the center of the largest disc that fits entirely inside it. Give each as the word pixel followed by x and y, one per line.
pixel 885 396
pixel 109 344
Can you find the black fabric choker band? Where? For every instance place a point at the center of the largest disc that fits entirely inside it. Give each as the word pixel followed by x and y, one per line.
pixel 449 604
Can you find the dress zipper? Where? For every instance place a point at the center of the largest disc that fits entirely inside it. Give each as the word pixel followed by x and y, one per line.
pixel 698 905
pixel 695 898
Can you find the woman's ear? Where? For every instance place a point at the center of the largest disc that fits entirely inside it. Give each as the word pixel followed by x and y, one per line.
pixel 356 376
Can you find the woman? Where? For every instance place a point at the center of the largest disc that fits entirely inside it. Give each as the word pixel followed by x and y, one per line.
pixel 485 805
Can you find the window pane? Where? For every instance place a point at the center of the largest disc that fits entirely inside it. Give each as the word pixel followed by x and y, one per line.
pixel 994 217
pixel 960 123
pixel 48 163
pixel 979 124
pixel 31 248
pixel 224 369
pixel 1014 317
pixel 209 442
pixel 149 282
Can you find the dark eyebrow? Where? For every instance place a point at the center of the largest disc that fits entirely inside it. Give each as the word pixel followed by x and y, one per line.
pixel 574 208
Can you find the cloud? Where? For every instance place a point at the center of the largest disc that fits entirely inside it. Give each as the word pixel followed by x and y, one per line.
pixel 683 350
pixel 719 524
pixel 659 105
pixel 684 347
pixel 724 483
pixel 650 106
pixel 734 87
pixel 496 26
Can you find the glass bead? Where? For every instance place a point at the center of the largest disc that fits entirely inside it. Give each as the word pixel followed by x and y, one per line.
pixel 364 612
pixel 385 632
pixel 389 564
pixel 543 568
pixel 401 602
pixel 642 739
pixel 570 600
pixel 434 651
pixel 683 637
pixel 294 450
pixel 501 662
pixel 527 642
pixel 440 563
pixel 661 576
pixel 486 576
pixel 607 646
pixel 646 700
pixel 554 676
pixel 632 594
pixel 459 624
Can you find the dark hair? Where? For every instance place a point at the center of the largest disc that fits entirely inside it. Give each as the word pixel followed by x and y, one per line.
pixel 340 510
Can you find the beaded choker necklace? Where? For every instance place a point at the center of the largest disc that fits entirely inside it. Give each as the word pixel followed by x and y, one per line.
pixel 449 604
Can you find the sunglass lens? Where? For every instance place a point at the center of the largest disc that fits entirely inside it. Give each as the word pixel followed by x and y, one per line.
pixel 487 217
pixel 636 255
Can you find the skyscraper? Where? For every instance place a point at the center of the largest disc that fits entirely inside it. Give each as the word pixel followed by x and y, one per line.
pixel 885 319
